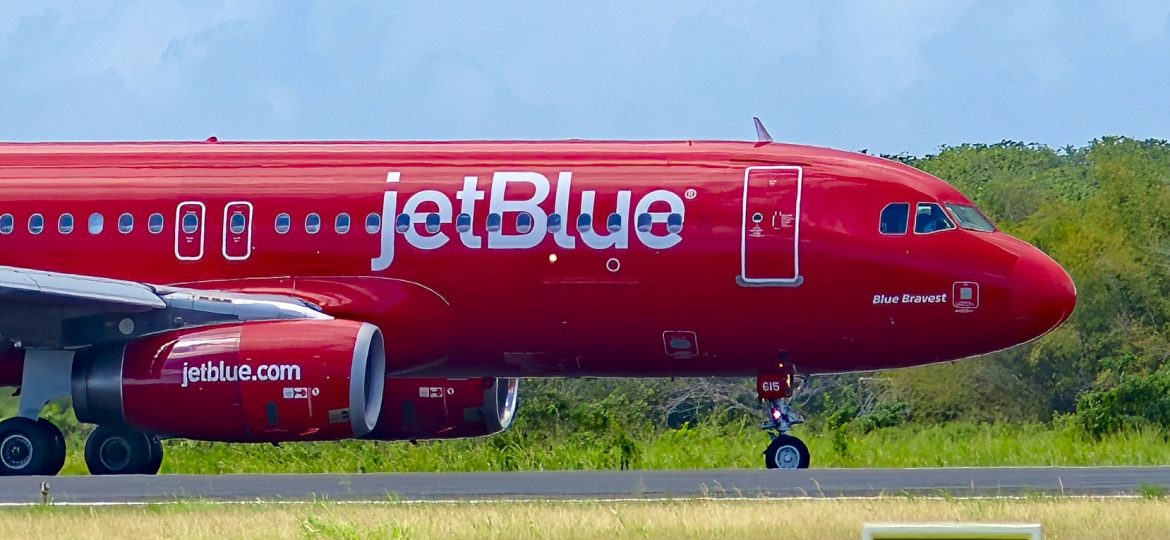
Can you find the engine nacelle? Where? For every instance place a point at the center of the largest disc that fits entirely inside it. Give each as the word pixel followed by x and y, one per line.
pixel 414 409
pixel 268 381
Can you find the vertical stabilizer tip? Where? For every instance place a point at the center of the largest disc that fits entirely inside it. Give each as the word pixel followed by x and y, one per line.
pixel 762 135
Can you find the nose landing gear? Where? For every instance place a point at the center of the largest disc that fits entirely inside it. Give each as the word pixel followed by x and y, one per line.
pixel 776 391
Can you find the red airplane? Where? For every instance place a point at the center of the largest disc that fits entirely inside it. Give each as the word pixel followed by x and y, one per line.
pixel 268 292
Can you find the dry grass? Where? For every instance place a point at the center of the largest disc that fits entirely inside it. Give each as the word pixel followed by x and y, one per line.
pixel 741 520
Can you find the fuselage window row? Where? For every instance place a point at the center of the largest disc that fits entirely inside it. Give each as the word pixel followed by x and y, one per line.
pixel 432 223
pixel 189 223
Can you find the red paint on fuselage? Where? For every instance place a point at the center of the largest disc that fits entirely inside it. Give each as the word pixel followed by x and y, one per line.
pixel 547 310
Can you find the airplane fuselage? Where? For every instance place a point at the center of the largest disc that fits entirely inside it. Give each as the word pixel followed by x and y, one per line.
pixel 550 259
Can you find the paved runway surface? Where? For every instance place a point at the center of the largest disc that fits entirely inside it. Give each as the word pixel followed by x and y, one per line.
pixel 591 484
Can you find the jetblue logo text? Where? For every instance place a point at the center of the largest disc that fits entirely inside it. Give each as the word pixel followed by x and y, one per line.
pixel 440 209
pixel 214 372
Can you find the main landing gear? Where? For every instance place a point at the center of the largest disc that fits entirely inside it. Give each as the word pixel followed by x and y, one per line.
pixel 121 450
pixel 33 446
pixel 30 447
pixel 775 390
pixel 37 448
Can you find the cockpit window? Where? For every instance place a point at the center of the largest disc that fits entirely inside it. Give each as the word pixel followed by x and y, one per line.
pixel 970 218
pixel 895 218
pixel 930 217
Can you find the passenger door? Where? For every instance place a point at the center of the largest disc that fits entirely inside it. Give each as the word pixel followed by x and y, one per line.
pixel 770 237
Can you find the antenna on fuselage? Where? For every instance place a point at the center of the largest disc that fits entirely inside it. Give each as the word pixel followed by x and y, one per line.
pixel 762 135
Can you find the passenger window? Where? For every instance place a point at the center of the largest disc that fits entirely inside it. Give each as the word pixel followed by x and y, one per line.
pixel 65 224
pixel 645 222
pixel 402 223
pixel 126 223
pixel 237 223
pixel 97 223
pixel 584 223
pixel 614 223
pixel 190 223
pixel 36 223
pixel 432 223
pixel 312 223
pixel 523 223
pixel 554 223
pixel 674 223
pixel 341 224
pixel 373 223
pixel 895 218
pixel 463 223
pixel 155 223
pixel 494 222
pixel 929 218
pixel 7 223
pixel 283 223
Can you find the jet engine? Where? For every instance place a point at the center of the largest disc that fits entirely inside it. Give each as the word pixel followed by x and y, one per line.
pixel 266 381
pixel 415 409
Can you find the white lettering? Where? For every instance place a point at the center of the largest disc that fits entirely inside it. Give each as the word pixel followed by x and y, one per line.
pixel 527 213
pixel 561 208
pixel 212 372
pixel 509 210
pixel 418 219
pixel 910 298
pixel 389 210
pixel 469 195
pixel 648 238
pixel 620 238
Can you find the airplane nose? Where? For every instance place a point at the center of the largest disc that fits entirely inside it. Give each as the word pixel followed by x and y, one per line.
pixel 1043 295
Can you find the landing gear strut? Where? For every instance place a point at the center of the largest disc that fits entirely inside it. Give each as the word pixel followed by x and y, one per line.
pixel 776 390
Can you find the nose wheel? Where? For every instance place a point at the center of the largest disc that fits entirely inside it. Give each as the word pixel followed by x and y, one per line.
pixel 786 452
pixel 30 447
pixel 776 391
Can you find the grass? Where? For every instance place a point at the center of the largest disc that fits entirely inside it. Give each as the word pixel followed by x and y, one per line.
pixel 951 445
pixel 794 519
pixel 728 445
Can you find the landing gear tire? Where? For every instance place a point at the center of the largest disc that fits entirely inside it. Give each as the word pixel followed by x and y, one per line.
pixel 120 450
pixel 786 452
pixel 156 454
pixel 30 447
pixel 58 440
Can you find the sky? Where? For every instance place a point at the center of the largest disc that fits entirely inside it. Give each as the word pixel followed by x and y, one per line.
pixel 886 76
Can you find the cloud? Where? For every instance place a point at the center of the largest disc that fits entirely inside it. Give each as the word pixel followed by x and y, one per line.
pixel 885 76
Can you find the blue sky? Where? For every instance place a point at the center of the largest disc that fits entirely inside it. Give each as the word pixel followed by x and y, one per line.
pixel 887 76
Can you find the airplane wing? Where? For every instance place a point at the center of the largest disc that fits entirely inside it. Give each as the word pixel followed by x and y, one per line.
pixel 40 309
pixel 52 287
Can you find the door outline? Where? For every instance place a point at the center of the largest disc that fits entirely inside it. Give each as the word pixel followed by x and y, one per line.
pixel 227 230
pixel 742 278
pixel 179 229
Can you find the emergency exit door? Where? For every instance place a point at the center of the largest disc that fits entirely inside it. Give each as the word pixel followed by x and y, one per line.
pixel 770 239
pixel 190 230
pixel 237 231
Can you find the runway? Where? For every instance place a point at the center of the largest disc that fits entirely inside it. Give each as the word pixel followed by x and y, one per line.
pixel 957 482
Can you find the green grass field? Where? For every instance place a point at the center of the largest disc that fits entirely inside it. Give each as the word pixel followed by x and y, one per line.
pixel 949 445
pixel 709 445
